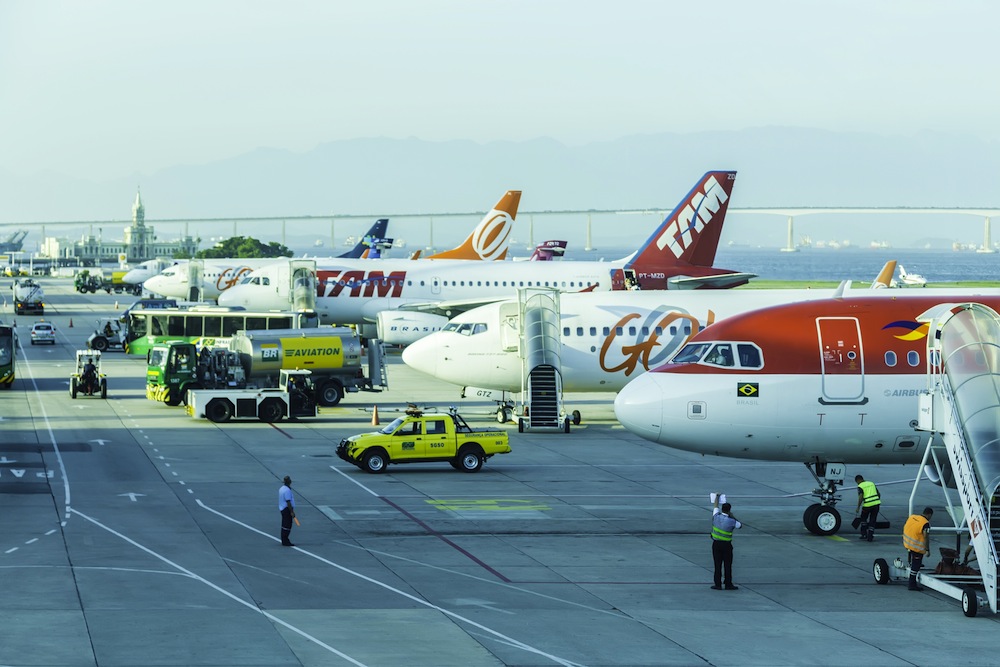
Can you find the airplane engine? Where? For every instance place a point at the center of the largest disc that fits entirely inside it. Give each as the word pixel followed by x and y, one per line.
pixel 400 327
pixel 934 477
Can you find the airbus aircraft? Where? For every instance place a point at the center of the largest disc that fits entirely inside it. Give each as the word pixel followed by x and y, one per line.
pixel 418 297
pixel 826 383
pixel 220 274
pixel 606 339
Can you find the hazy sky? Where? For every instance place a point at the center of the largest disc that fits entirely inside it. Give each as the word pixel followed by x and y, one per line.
pixel 109 89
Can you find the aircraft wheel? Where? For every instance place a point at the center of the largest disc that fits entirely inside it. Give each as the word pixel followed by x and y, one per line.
pixel 520 425
pixel 104 388
pixel 100 344
pixel 470 457
pixel 375 461
pixel 881 571
pixel 219 410
pixel 970 603
pixel 577 417
pixel 72 388
pixel 566 425
pixel 825 521
pixel 504 414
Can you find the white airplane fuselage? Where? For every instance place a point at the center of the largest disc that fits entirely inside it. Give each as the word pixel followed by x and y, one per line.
pixel 606 339
pixel 218 276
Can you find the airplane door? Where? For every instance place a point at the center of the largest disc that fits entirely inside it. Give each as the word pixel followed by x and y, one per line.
pixel 842 370
pixel 510 327
pixel 435 285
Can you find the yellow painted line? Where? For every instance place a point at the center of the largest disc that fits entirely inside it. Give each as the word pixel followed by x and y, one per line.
pixel 837 538
pixel 493 505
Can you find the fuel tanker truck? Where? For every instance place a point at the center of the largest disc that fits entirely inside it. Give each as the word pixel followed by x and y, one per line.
pixel 29 297
pixel 254 360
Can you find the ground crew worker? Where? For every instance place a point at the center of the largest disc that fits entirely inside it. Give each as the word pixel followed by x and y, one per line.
pixel 869 504
pixel 917 540
pixel 286 503
pixel 723 525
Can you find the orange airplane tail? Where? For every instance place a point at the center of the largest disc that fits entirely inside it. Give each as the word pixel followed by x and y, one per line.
pixel 491 237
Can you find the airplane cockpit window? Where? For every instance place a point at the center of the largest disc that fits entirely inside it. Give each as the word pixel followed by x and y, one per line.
pixel 720 355
pixel 465 329
pixel 478 328
pixel 750 356
pixel 451 326
pixel 691 353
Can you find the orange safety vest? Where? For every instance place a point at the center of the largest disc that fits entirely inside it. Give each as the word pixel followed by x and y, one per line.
pixel 914 537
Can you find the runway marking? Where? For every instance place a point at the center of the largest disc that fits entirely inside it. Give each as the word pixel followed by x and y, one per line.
pixel 32 540
pixel 408 596
pixel 280 431
pixel 10 551
pixel 218 589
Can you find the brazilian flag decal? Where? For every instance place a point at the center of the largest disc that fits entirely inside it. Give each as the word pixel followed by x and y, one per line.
pixel 747 390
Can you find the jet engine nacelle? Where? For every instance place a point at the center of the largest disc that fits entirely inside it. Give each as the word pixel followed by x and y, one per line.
pixel 944 478
pixel 400 327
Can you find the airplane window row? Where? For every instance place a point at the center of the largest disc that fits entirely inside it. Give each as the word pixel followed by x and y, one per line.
pixel 724 355
pixel 454 283
pixel 632 331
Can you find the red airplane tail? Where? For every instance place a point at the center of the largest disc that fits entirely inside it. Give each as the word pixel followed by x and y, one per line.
pixel 681 252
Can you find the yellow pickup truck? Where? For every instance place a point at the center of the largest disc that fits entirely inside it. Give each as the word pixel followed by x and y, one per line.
pixel 420 438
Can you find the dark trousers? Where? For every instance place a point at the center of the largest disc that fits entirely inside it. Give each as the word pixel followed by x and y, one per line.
pixel 722 554
pixel 916 562
pixel 869 515
pixel 286 524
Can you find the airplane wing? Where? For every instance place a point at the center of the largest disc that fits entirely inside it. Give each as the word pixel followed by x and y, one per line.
pixel 717 281
pixel 449 308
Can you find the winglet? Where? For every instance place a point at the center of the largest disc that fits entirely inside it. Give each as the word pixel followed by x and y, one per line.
pixel 490 238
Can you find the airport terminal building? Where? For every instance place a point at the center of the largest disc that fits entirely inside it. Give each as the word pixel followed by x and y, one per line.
pixel 139 244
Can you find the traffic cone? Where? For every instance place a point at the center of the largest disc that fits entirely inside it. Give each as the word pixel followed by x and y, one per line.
pixel 71 323
pixel 375 416
pixel 116 305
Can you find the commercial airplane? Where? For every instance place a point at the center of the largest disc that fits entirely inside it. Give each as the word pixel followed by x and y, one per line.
pixel 826 383
pixel 606 338
pixel 911 279
pixel 418 297
pixel 219 274
pixel 143 271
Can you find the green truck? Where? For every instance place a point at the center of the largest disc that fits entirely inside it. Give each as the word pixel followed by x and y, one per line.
pixel 420 438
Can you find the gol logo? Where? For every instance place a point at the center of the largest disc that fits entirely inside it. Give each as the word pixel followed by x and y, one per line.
pixel 644 349
pixel 230 277
pixel 489 240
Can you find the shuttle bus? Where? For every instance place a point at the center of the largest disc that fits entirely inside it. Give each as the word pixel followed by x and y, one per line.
pixel 208 326
pixel 6 356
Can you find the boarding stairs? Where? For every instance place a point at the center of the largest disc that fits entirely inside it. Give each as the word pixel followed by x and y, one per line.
pixel 541 368
pixel 961 407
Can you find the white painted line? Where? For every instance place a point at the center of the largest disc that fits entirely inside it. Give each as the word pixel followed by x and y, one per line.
pixel 229 595
pixel 342 474
pixel 51 531
pixel 408 596
pixel 32 540
pixel 328 511
pixel 10 551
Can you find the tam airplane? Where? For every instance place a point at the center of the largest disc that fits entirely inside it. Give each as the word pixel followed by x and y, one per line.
pixel 413 298
pixel 826 383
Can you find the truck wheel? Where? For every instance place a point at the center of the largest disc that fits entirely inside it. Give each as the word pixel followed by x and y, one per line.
pixel 72 387
pixel 880 569
pixel 270 410
pixel 970 602
pixel 104 388
pixel 100 343
pixel 219 410
pixel 375 461
pixel 470 457
pixel 330 393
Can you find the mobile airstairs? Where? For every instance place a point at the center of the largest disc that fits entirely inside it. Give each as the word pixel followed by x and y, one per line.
pixel 961 408
pixel 541 367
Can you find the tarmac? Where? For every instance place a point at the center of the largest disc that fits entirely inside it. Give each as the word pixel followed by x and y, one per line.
pixel 132 534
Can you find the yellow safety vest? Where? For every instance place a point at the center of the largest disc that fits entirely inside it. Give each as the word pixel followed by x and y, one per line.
pixel 871 497
pixel 914 538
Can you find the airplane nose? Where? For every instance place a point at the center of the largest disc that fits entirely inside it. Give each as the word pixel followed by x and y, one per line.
pixel 639 407
pixel 421 355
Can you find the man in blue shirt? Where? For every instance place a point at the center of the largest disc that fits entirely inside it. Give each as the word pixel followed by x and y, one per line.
pixel 286 503
pixel 723 525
